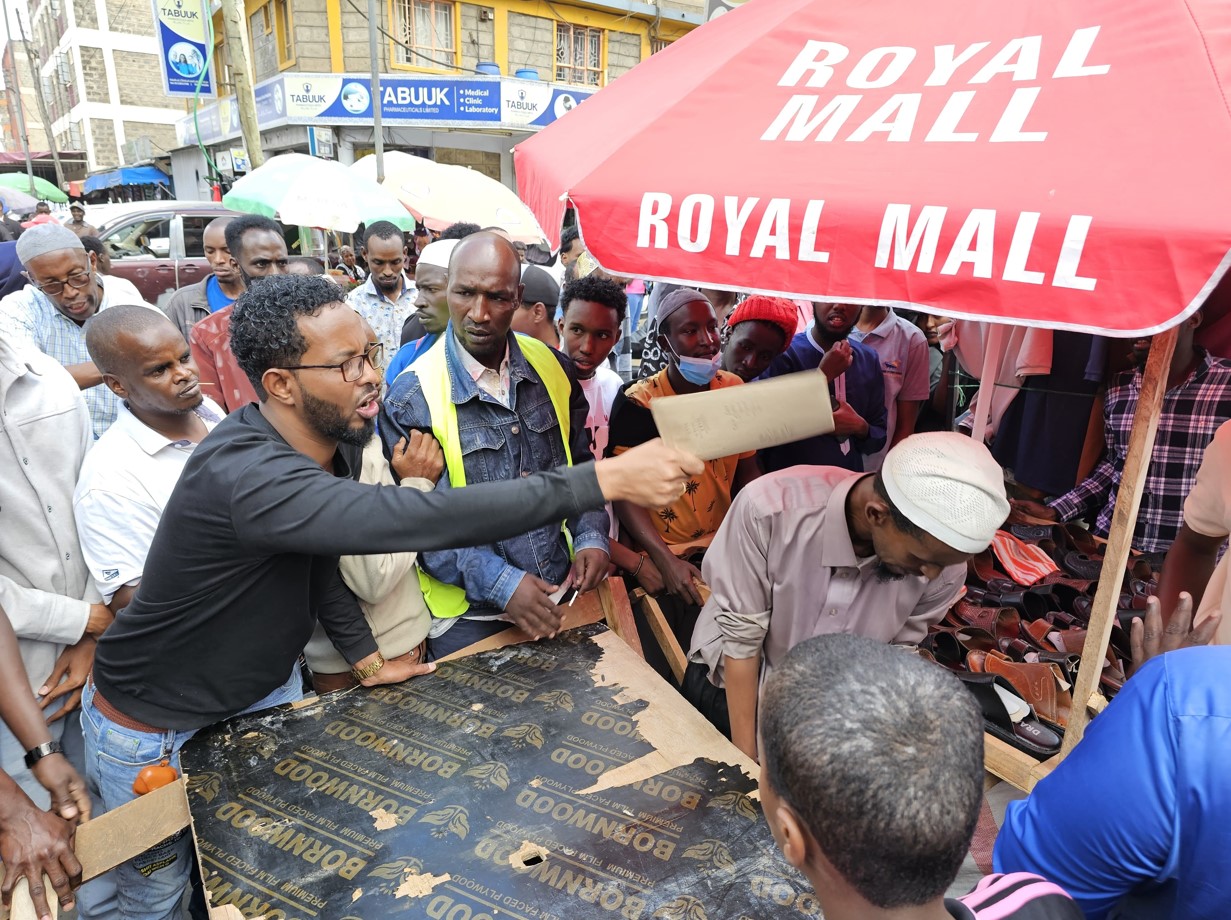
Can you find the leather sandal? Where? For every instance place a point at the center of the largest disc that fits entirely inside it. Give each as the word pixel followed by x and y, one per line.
pixel 1030 605
pixel 1083 566
pixel 1042 685
pixel 1083 541
pixel 1008 717
pixel 1000 622
pixel 981 567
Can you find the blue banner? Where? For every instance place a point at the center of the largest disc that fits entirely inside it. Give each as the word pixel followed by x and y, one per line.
pixel 182 45
pixel 340 99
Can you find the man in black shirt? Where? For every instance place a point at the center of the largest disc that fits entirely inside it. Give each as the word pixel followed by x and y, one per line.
pixel 245 559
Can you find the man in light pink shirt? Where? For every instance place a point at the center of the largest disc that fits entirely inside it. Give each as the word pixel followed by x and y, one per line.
pixel 813 550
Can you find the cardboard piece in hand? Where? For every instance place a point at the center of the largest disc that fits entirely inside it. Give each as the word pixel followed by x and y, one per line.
pixel 734 420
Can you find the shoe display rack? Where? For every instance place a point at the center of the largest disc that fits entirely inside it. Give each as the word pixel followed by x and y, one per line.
pixel 1090 678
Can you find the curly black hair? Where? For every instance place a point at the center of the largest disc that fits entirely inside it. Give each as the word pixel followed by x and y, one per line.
pixel 568 237
pixel 600 290
pixel 459 231
pixel 265 322
pixel 239 226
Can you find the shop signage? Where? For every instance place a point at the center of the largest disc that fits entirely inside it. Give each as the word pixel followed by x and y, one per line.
pixel 441 102
pixel 182 46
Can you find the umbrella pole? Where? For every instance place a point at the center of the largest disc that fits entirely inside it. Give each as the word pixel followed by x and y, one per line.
pixel 378 132
pixel 1120 537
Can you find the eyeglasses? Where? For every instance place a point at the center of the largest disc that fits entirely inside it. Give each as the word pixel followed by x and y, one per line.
pixel 351 368
pixel 77 279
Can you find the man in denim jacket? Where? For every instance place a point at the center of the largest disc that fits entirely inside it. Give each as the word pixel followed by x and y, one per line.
pixel 499 420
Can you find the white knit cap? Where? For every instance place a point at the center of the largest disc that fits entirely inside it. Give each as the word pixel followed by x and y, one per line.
pixel 44 238
pixel 948 485
pixel 438 253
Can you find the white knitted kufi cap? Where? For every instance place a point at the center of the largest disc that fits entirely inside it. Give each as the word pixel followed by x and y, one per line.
pixel 948 485
pixel 44 238
pixel 438 253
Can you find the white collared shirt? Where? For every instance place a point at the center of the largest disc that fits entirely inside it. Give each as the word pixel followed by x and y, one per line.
pixel 125 483
pixel 495 383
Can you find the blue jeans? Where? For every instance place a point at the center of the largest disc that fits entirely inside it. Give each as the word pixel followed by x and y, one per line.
pixel 151 886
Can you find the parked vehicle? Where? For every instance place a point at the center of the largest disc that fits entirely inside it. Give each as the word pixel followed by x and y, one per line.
pixel 159 247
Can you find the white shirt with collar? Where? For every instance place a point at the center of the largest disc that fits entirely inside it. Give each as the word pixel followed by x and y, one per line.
pixel 45 432
pixel 125 483
pixel 495 383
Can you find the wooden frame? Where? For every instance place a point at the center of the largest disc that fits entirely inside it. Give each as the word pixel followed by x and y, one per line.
pixel 1008 763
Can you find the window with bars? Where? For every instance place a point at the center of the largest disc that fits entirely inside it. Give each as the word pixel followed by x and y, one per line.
pixel 579 55
pixel 658 44
pixel 424 29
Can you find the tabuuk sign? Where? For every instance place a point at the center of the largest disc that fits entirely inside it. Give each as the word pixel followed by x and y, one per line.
pixel 182 47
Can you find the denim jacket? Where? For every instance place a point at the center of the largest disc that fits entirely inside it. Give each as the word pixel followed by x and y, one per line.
pixel 500 443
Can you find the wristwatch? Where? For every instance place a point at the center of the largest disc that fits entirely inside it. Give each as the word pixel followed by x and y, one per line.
pixel 362 674
pixel 35 754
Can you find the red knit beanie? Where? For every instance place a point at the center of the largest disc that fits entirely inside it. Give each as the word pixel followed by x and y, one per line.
pixel 777 310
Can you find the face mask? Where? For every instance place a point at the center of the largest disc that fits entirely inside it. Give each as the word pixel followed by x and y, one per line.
pixel 698 371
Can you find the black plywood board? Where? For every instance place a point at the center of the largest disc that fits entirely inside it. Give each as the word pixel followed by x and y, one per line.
pixel 458 796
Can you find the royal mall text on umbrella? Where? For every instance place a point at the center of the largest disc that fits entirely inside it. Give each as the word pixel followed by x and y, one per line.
pixel 901 245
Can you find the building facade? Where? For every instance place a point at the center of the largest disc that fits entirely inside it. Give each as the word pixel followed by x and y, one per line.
pixel 97 63
pixel 461 83
pixel 15 57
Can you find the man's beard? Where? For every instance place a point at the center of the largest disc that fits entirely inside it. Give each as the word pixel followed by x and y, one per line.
pixel 884 574
pixel 327 421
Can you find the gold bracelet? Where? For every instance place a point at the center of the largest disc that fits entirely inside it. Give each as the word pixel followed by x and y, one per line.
pixel 362 674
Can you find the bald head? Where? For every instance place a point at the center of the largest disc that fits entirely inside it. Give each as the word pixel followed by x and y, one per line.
pixel 484 291
pixel 486 245
pixel 110 334
pixel 146 362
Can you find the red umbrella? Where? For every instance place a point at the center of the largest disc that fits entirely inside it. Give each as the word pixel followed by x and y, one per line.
pixel 1052 162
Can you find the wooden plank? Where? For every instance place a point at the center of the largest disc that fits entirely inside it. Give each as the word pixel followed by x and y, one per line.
pixel 1015 767
pixel 587 609
pixel 1120 536
pixel 613 596
pixel 674 653
pixel 119 835
pixel 678 732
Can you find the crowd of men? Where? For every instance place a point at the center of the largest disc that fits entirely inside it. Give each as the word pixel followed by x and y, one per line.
pixel 193 498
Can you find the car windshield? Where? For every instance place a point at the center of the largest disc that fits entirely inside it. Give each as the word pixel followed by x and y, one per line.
pixel 149 238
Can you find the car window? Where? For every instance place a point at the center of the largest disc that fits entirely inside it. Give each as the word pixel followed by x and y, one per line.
pixel 194 234
pixel 147 238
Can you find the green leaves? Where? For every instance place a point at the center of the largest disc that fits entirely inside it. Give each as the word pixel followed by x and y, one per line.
pixel 489 773
pixel 452 819
pixel 526 733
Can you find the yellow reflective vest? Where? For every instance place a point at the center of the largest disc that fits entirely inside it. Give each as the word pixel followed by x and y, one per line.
pixel 432 369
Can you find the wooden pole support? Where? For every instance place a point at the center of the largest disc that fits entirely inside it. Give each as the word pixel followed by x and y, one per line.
pixel 1120 537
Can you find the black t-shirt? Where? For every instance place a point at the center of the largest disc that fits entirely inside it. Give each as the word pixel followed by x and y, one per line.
pixel 245 560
